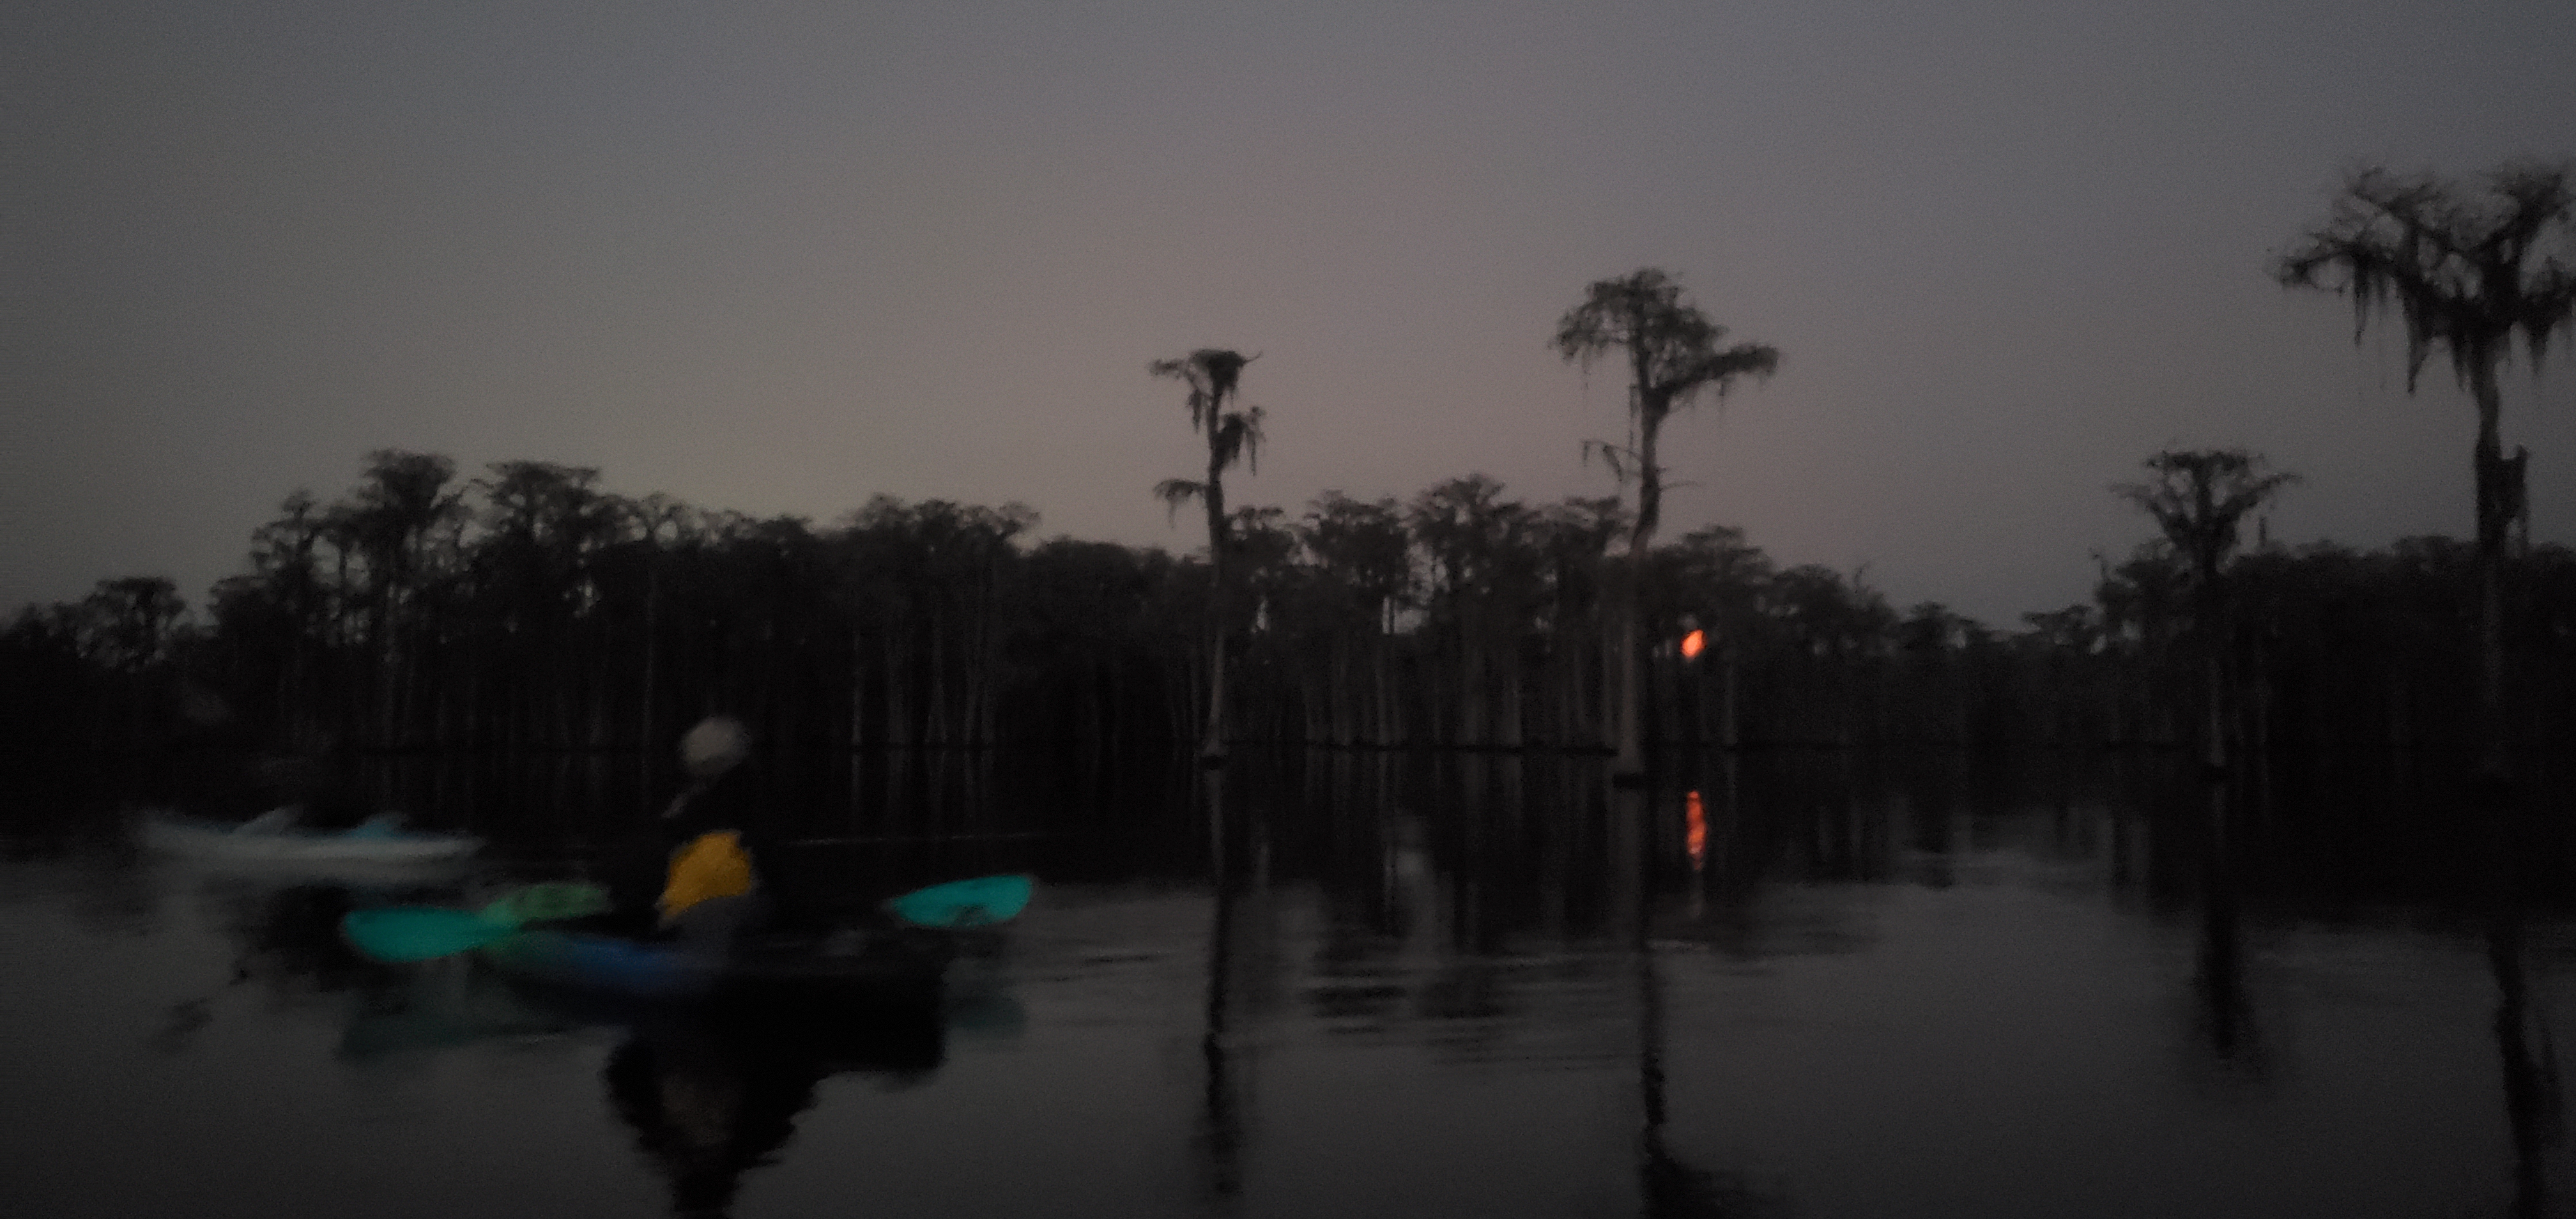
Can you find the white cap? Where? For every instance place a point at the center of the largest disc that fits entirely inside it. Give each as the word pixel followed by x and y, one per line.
pixel 717 744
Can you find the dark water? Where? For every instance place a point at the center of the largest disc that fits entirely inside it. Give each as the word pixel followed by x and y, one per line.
pixel 1336 985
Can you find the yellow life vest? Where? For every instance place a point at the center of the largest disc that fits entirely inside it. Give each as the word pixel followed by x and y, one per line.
pixel 708 866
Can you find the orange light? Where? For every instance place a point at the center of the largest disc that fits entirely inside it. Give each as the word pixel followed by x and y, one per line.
pixel 1692 643
pixel 1698 833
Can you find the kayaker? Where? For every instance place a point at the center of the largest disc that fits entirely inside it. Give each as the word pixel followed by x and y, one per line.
pixel 698 874
pixel 713 881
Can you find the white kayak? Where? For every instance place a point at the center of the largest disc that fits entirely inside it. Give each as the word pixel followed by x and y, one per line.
pixel 272 838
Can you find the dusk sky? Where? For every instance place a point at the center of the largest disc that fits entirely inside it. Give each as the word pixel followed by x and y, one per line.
pixel 778 257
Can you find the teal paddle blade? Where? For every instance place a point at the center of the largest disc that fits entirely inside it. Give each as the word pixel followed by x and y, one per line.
pixel 547 902
pixel 397 934
pixel 418 933
pixel 960 904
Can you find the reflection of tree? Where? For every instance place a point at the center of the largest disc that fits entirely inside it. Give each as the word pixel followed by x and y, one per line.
pixel 2533 1104
pixel 707 1111
pixel 715 1094
pixel 2232 1035
pixel 1667 1186
pixel 1221 1133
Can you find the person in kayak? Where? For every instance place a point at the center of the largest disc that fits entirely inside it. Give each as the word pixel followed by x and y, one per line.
pixel 712 887
pixel 697 874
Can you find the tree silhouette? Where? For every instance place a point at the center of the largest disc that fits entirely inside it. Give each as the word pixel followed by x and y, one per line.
pixel 2199 498
pixel 1674 354
pixel 550 614
pixel 130 620
pixel 1213 375
pixel 1576 535
pixel 396 509
pixel 545 527
pixel 1366 576
pixel 1483 582
pixel 2466 273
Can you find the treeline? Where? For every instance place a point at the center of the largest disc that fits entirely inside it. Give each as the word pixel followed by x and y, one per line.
pixel 531 609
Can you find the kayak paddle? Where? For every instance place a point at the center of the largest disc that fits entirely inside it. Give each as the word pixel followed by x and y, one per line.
pixel 547 902
pixel 396 934
pixel 401 934
pixel 960 904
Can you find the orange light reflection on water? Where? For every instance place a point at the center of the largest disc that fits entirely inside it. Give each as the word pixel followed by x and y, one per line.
pixel 1698 836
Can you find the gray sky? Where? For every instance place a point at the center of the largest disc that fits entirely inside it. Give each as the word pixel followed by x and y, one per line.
pixel 777 257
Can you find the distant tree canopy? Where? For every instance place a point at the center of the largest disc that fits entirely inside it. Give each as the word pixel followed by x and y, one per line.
pixel 529 608
pixel 2200 497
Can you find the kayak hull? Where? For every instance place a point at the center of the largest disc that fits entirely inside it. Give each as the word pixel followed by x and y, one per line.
pixel 191 838
pixel 875 969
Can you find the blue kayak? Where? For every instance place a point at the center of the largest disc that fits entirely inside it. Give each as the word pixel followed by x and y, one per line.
pixel 592 961
pixel 851 966
pixel 897 960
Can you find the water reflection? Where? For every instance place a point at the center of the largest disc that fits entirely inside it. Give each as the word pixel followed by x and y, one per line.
pixel 711 1092
pixel 1668 1187
pixel 1355 981
pixel 1220 1134
pixel 283 938
pixel 713 1096
pixel 2228 1013
pixel 2535 1105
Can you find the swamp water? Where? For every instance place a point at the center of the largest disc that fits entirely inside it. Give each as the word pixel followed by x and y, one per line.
pixel 1817 984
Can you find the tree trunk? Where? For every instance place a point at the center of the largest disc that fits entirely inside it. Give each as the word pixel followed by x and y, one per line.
pixel 1337 729
pixel 1600 683
pixel 897 731
pixel 1471 688
pixel 1728 732
pixel 934 725
pixel 1631 758
pixel 1212 738
pixel 2494 517
pixel 1212 742
pixel 858 700
pixel 645 736
pixel 1650 502
pixel 1382 728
